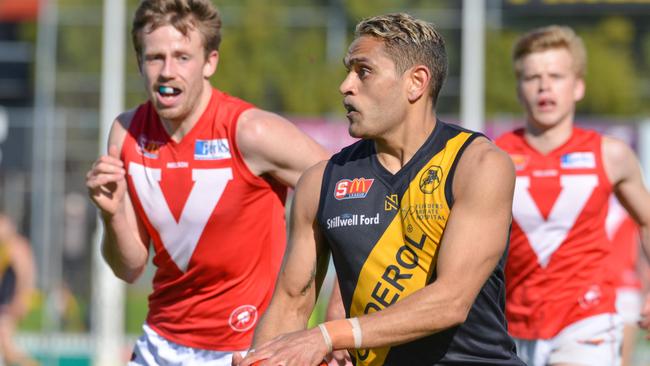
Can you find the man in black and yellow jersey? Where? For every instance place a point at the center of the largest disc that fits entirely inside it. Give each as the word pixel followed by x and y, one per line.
pixel 416 215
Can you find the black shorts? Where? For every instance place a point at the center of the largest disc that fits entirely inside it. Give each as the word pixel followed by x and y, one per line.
pixel 7 286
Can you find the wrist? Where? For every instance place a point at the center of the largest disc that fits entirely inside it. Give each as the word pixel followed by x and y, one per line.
pixel 342 333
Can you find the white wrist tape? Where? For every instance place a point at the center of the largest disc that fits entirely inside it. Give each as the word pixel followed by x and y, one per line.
pixel 356 332
pixel 326 337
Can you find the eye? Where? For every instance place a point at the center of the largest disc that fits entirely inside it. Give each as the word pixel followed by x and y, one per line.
pixel 363 72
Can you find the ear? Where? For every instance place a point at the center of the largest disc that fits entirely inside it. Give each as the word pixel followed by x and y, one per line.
pixel 418 81
pixel 579 90
pixel 210 65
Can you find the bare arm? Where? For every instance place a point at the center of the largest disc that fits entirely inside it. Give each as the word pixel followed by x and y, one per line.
pixel 125 243
pixel 304 267
pixel 624 173
pixel 23 263
pixel 272 145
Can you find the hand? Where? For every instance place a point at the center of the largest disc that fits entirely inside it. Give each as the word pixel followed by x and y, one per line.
pixel 339 358
pixel 236 359
pixel 106 182
pixel 301 348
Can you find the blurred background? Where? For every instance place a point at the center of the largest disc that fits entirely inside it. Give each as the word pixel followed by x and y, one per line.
pixel 282 55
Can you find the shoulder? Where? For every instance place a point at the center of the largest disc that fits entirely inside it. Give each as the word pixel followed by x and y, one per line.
pixel 615 150
pixel 483 163
pixel 619 160
pixel 254 125
pixel 120 127
pixel 309 186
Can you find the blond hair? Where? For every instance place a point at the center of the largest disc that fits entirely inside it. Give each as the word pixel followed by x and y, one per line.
pixel 184 15
pixel 551 37
pixel 409 42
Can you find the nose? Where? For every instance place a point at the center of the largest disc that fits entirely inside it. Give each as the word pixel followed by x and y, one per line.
pixel 347 85
pixel 168 68
pixel 544 83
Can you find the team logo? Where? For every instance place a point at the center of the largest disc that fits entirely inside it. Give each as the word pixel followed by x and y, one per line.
pixel 356 188
pixel 391 203
pixel 148 148
pixel 211 149
pixel 578 160
pixel 520 161
pixel 430 179
pixel 591 298
pixel 243 318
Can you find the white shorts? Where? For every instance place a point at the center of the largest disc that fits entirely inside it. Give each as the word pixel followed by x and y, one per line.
pixel 153 350
pixel 629 302
pixel 593 341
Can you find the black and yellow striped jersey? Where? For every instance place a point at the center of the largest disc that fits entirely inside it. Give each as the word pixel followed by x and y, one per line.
pixel 385 230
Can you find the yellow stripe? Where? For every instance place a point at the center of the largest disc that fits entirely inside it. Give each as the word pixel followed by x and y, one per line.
pixel 403 260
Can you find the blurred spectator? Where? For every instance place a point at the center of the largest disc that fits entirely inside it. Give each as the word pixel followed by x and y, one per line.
pixel 17 273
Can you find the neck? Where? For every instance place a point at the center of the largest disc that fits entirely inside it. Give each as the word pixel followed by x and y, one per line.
pixel 548 139
pixel 397 146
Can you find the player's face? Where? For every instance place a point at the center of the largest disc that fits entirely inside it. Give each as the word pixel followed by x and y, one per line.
pixel 549 88
pixel 175 71
pixel 373 92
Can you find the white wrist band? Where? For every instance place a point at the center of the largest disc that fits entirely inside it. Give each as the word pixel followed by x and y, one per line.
pixel 326 337
pixel 356 332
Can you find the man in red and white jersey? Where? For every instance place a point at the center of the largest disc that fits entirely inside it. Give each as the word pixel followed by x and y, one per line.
pixel 560 292
pixel 202 176
pixel 624 235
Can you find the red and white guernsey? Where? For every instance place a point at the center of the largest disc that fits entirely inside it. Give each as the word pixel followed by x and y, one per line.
pixel 557 268
pixel 218 230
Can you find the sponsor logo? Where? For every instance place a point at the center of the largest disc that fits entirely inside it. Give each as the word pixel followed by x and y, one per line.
pixel 520 161
pixel 578 160
pixel 425 211
pixel 356 188
pixel 243 318
pixel 347 219
pixel 542 173
pixel 430 179
pixel 178 164
pixel 211 149
pixel 391 203
pixel 148 148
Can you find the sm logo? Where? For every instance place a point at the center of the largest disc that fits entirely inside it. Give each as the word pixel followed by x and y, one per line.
pixel 355 188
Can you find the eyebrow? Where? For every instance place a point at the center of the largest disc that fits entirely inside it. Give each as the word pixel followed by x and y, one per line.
pixel 348 62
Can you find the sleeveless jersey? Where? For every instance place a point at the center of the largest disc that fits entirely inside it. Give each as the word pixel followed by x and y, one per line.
pixel 384 232
pixel 624 235
pixel 557 271
pixel 218 231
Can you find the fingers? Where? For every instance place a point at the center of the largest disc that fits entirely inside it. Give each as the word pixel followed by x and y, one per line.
pixel 105 170
pixel 236 359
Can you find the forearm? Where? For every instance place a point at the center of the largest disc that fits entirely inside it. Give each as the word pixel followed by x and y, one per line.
pixel 122 250
pixel 425 312
pixel 644 235
pixel 286 313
